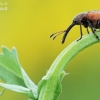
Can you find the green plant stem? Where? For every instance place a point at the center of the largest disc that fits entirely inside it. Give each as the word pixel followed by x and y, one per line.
pixel 50 82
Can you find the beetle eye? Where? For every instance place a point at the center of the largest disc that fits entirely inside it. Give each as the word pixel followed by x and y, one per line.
pixel 75 21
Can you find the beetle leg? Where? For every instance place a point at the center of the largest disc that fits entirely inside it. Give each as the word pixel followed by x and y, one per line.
pixel 87 30
pixel 80 33
pixel 98 23
pixel 92 29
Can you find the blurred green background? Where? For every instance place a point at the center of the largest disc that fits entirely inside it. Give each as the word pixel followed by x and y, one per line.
pixel 27 25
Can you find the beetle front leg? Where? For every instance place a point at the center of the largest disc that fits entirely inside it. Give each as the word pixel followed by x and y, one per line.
pixel 80 33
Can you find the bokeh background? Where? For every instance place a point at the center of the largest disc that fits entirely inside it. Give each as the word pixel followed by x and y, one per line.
pixel 27 25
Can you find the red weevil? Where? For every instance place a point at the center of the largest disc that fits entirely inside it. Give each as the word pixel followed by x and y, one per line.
pixel 87 19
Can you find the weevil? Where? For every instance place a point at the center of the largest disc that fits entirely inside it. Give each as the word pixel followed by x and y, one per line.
pixel 87 19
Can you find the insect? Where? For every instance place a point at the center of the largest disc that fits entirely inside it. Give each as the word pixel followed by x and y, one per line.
pixel 87 19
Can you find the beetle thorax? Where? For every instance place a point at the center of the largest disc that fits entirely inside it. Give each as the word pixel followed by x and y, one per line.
pixel 78 19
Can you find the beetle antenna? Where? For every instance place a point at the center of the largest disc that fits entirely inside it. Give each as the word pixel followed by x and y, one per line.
pixel 56 34
pixel 66 32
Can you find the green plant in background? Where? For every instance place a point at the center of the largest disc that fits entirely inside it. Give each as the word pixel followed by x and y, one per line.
pixel 49 87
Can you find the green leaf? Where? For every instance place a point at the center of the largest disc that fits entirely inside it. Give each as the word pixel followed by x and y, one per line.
pixel 32 99
pixel 59 86
pixel 1 93
pixel 9 67
pixel 17 88
pixel 29 83
pixel 12 73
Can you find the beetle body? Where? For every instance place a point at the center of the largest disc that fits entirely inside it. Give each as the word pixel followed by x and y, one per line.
pixel 87 19
pixel 94 17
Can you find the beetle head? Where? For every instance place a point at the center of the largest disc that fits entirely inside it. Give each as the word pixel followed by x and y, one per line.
pixel 80 19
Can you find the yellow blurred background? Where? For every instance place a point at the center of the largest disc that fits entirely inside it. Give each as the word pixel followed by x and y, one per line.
pixel 27 25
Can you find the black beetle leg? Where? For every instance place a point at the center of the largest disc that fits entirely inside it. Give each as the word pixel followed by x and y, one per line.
pixel 92 29
pixel 80 33
pixel 87 30
pixel 98 23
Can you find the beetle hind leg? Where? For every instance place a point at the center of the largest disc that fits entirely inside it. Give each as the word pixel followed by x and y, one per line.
pixel 98 24
pixel 97 37
pixel 87 30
